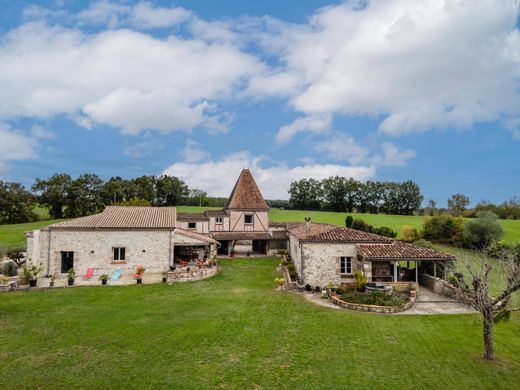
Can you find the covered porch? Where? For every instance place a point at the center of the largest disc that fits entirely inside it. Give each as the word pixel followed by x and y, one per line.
pixel 401 262
pixel 190 249
pixel 242 244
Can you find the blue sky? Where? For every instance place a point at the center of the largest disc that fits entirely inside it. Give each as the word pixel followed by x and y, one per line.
pixel 386 90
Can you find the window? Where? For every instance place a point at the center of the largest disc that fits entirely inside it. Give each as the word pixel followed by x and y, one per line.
pixel 248 219
pixel 218 220
pixel 346 265
pixel 119 254
pixel 67 261
pixel 192 225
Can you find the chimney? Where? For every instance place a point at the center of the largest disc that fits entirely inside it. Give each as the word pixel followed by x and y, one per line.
pixel 307 225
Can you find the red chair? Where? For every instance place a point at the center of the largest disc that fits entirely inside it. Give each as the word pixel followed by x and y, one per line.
pixel 89 274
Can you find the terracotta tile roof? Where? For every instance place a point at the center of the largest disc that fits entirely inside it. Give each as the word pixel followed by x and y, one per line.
pixel 121 217
pixel 246 194
pixel 399 250
pixel 241 236
pixel 320 232
pixel 216 213
pixel 198 236
pixel 191 217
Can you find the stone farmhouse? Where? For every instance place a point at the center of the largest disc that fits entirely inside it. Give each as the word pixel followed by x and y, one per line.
pixel 159 238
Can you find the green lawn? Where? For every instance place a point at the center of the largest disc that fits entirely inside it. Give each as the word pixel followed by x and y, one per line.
pixel 236 331
pixel 12 235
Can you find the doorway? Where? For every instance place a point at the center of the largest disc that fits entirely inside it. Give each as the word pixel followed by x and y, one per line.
pixel 67 261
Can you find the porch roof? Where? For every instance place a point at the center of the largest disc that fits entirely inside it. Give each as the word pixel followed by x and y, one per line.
pixel 399 250
pixel 241 236
pixel 195 235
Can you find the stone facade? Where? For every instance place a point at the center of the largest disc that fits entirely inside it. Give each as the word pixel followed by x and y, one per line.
pixel 318 264
pixel 152 249
pixel 94 249
pixel 192 275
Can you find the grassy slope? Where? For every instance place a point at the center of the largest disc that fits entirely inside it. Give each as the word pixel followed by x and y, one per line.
pixel 235 331
pixel 13 234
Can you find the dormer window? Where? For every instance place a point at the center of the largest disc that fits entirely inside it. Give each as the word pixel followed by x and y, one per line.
pixel 248 219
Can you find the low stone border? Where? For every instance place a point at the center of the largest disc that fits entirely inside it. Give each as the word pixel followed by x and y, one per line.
pixel 191 275
pixel 371 308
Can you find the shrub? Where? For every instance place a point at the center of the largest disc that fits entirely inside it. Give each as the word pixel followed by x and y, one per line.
pixel 443 228
pixel 483 230
pixel 361 281
pixel 10 268
pixel 424 243
pixel 516 252
pixel 16 255
pixel 409 233
pixel 385 231
pixel 348 221
pixel 375 298
pixel 71 274
pixel 359 224
pixel 497 250
pixel 30 272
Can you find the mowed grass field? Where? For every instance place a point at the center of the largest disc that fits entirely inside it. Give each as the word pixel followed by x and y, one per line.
pixel 12 235
pixel 235 331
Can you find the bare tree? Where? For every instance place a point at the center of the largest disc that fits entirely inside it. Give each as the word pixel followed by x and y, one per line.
pixel 477 291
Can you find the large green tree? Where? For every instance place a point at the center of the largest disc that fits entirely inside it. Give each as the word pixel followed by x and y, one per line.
pixel 170 191
pixel 84 196
pixel 305 194
pixel 53 193
pixel 335 193
pixel 16 203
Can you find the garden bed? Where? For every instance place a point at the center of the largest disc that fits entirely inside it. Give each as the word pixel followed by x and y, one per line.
pixel 373 302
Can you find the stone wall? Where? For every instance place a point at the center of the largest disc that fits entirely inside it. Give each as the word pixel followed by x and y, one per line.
pixel 94 249
pixel 192 275
pixel 371 308
pixel 436 285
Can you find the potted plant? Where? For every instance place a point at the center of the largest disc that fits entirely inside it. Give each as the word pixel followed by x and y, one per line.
pixel 280 282
pixel 104 279
pixel 232 254
pixel 71 275
pixel 51 283
pixel 164 275
pixel 30 274
pixel 139 271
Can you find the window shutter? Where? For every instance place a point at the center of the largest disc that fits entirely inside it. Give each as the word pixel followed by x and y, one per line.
pixel 338 265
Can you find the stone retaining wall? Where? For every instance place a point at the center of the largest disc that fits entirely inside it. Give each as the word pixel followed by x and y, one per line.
pixel 192 275
pixel 371 308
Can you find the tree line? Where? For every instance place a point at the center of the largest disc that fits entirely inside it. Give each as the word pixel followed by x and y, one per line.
pixel 343 194
pixel 68 197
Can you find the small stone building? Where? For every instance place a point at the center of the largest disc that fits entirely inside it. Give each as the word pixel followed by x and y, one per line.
pixel 118 238
pixel 324 254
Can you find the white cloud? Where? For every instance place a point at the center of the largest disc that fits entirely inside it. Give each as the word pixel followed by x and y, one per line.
pixel 342 147
pixel 123 78
pixel 40 132
pixel 141 15
pixel 418 64
pixel 144 147
pixel 312 123
pixel 393 157
pixel 193 152
pixel 15 146
pixel 218 177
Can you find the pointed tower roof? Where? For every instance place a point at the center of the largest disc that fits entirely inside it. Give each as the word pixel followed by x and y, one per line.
pixel 245 194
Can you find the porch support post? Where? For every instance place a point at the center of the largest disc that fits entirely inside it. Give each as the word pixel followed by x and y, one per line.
pixel 445 271
pixel 416 272
pixel 395 271
pixel 434 270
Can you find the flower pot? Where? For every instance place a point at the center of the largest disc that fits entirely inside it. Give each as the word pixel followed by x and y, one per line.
pixel 70 282
pixel 32 283
pixel 232 254
pixel 139 280
pixel 164 279
pixel 104 281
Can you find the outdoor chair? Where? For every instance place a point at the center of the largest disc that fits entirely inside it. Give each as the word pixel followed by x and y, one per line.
pixel 89 274
pixel 116 275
